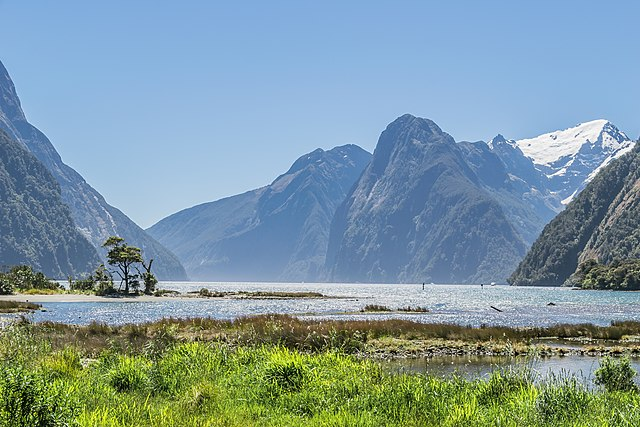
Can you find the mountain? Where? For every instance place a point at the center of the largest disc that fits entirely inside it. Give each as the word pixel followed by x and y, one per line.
pixel 425 209
pixel 92 215
pixel 570 158
pixel 528 205
pixel 36 227
pixel 602 223
pixel 275 233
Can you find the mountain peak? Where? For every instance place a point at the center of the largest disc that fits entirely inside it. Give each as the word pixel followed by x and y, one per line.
pixel 553 146
pixel 409 121
pixel 499 141
pixel 572 157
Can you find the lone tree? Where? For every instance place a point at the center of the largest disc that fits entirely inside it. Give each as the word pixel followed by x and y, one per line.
pixel 124 258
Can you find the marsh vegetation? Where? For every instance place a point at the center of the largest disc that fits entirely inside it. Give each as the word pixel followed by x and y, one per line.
pixel 172 373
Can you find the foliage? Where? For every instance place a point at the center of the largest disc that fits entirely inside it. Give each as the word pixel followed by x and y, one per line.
pixel 616 375
pixel 215 384
pixel 124 258
pixel 100 282
pixel 23 278
pixel 28 399
pixel 148 278
pixel 6 287
pixel 619 275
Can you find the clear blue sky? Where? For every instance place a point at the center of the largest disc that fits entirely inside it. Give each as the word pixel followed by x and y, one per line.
pixel 192 101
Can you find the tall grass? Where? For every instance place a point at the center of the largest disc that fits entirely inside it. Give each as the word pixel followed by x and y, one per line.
pixel 199 383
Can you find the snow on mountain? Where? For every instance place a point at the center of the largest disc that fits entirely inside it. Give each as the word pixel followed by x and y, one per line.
pixel 549 148
pixel 570 158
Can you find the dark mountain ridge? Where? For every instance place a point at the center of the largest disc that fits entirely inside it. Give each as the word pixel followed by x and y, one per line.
pixel 36 227
pixel 93 216
pixel 420 212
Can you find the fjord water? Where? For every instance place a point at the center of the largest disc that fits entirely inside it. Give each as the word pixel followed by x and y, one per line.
pixel 459 304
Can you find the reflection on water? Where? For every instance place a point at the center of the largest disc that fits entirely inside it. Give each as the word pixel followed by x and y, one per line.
pixel 473 367
pixel 460 304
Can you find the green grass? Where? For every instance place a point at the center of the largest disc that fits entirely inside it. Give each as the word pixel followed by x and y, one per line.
pixel 381 338
pixel 197 383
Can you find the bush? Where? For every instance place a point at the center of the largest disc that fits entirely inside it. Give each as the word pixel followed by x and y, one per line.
pixel 284 372
pixel 82 285
pixel 128 374
pixel 23 277
pixel 616 375
pixel 26 400
pixel 6 287
pixel 501 385
pixel 562 399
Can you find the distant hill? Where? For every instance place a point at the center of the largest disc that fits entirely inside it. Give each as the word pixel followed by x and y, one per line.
pixel 93 216
pixel 36 227
pixel 275 233
pixel 427 209
pixel 602 223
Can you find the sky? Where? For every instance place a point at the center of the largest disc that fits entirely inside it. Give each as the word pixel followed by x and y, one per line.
pixel 162 105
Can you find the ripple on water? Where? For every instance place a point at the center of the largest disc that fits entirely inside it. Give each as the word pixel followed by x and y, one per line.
pixel 460 304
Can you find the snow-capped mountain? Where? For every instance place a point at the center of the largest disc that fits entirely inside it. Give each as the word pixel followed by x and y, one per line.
pixel 570 158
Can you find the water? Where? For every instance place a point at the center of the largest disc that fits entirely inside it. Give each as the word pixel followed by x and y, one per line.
pixel 473 367
pixel 460 304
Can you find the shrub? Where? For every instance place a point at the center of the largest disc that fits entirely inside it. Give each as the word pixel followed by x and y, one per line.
pixel 501 385
pixel 616 375
pixel 284 372
pixel 128 373
pixel 6 287
pixel 562 399
pixel 23 277
pixel 375 307
pixel 27 400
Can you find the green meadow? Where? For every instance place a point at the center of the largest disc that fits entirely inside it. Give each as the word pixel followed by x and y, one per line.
pixel 151 375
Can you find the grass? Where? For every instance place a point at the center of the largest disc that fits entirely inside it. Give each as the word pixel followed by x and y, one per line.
pixel 18 307
pixel 374 338
pixel 172 382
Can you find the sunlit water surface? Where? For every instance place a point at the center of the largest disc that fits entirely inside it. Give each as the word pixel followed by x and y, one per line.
pixel 460 304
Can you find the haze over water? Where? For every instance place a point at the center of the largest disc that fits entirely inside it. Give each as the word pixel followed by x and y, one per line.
pixel 459 304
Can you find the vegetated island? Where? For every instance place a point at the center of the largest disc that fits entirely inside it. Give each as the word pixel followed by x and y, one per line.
pixel 281 371
pixel 21 281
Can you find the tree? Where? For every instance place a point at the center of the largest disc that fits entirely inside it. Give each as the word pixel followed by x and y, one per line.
pixel 148 278
pixel 124 258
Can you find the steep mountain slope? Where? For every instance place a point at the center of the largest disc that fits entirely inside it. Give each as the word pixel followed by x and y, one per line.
pixel 528 208
pixel 420 212
pixel 570 158
pixel 93 216
pixel 278 232
pixel 601 223
pixel 36 227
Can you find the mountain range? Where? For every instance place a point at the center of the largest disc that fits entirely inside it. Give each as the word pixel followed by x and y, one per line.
pixel 423 207
pixel 601 223
pixel 275 233
pixel 93 217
